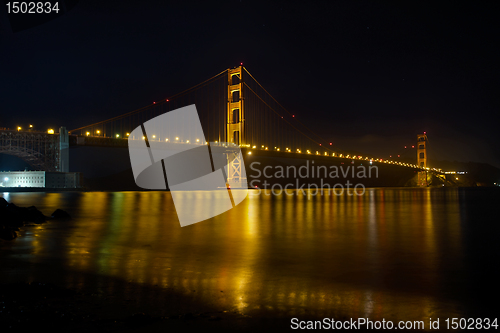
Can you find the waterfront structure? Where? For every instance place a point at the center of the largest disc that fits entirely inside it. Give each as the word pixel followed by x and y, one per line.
pixel 47 151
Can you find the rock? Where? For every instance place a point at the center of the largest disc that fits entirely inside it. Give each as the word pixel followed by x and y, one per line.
pixel 7 233
pixel 18 215
pixel 3 203
pixel 31 214
pixel 14 216
pixel 10 216
pixel 60 214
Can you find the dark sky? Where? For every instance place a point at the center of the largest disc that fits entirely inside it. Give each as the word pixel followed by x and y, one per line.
pixel 366 75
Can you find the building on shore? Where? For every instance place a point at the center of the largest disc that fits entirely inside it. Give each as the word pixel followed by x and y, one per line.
pixel 41 179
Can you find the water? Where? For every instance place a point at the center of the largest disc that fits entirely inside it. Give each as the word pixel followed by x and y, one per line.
pixel 393 253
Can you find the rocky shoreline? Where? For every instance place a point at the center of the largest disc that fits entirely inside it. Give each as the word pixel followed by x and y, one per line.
pixel 13 217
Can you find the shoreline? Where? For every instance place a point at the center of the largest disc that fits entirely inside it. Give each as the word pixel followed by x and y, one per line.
pixel 53 190
pixel 40 189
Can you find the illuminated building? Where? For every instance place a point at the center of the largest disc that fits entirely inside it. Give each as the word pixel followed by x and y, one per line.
pixel 41 179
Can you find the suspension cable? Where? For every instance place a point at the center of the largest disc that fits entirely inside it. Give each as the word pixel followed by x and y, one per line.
pixel 199 85
pixel 322 139
pixel 284 118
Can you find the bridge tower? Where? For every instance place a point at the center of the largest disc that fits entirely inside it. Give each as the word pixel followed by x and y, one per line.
pixel 235 123
pixel 235 112
pixel 422 158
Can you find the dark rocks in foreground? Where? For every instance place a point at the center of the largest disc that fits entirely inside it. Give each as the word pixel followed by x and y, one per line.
pixel 60 214
pixel 7 233
pixel 13 217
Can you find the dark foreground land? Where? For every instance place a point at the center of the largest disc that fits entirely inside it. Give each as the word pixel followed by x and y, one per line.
pixel 37 305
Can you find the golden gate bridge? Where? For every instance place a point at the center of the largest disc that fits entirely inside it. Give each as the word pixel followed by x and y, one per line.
pixel 232 106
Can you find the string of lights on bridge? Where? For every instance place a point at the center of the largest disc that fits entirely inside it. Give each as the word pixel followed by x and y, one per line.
pixel 287 150
pixel 266 148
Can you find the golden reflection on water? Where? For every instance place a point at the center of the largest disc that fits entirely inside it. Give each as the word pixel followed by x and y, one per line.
pixel 377 255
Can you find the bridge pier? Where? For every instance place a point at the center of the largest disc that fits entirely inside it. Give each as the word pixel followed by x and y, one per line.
pixel 63 158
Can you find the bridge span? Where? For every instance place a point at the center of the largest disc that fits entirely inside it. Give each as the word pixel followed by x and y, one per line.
pixel 232 106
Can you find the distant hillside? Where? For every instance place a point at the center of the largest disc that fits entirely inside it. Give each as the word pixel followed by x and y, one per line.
pixel 483 173
pixel 480 172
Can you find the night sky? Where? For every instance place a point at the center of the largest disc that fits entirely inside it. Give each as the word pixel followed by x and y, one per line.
pixel 367 76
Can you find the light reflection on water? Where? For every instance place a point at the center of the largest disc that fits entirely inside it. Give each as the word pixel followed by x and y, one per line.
pixel 398 254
